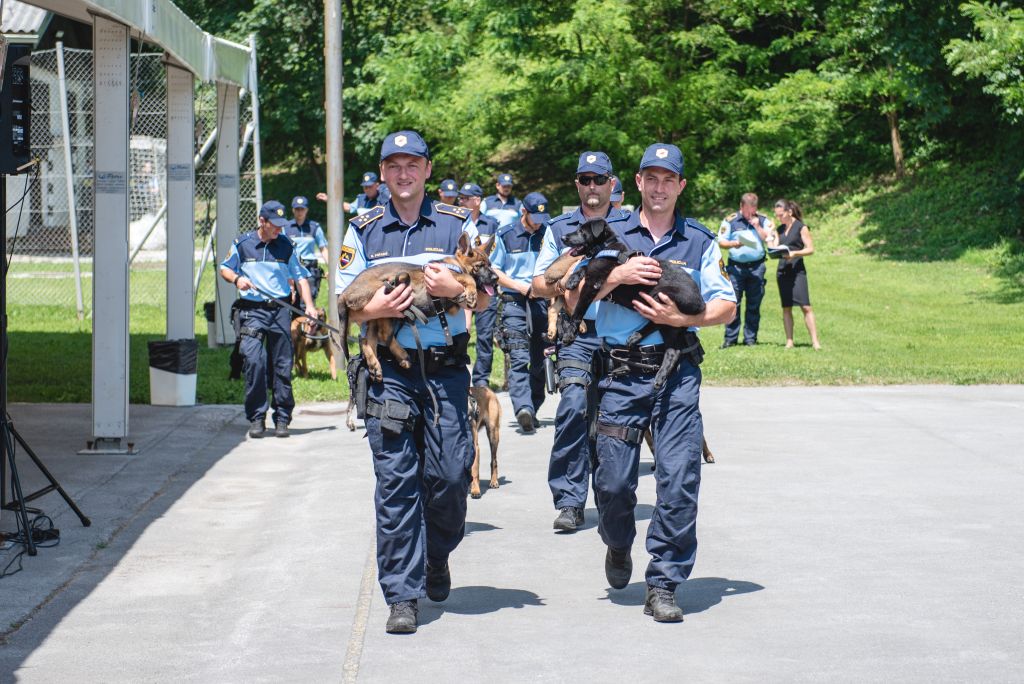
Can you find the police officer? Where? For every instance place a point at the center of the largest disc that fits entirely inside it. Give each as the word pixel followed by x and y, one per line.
pixel 618 194
pixel 569 469
pixel 523 318
pixel 421 457
pixel 629 402
pixel 744 234
pixel 470 195
pixel 266 259
pixel 308 237
pixel 368 198
pixel 448 191
pixel 502 205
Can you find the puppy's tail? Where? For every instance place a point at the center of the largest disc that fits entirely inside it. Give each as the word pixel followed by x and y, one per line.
pixel 343 326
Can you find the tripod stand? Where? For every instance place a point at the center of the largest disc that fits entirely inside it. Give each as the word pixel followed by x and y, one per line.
pixel 8 434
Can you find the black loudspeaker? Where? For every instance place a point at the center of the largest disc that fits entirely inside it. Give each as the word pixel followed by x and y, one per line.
pixel 15 111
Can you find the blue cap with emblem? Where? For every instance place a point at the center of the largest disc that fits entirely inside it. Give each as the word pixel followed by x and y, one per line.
pixel 404 142
pixel 449 188
pixel 504 179
pixel 536 206
pixel 300 201
pixel 664 156
pixel 594 162
pixel 471 190
pixel 369 178
pixel 617 192
pixel 273 211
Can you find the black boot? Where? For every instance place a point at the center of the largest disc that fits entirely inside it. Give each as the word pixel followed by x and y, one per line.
pixel 281 430
pixel 403 618
pixel 439 582
pixel 618 567
pixel 569 518
pixel 661 603
pixel 257 429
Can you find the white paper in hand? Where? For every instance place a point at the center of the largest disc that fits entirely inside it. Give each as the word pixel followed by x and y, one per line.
pixel 746 239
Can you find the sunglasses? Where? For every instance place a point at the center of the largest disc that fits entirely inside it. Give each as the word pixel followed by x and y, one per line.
pixel 592 180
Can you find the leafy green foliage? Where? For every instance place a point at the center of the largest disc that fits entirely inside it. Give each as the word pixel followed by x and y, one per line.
pixel 997 57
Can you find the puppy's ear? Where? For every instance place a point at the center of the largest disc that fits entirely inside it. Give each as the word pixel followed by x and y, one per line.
pixel 464 245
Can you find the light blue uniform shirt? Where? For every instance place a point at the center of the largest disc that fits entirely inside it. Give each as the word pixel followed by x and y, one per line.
pixel 268 265
pixel 515 252
pixel 733 227
pixel 307 238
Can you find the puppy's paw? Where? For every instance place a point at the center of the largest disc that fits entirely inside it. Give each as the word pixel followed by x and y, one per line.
pixel 375 371
pixel 405 363
pixel 475 492
pixel 493 484
pixel 470 300
pixel 634 339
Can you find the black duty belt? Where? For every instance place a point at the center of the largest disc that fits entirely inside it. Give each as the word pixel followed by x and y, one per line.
pixel 249 304
pixel 512 297
pixel 434 358
pixel 645 358
pixel 746 264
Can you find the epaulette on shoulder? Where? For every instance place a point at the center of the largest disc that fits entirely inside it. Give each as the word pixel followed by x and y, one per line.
pixel 694 223
pixel 732 216
pixel 360 222
pixel 452 210
pixel 560 217
pixel 243 237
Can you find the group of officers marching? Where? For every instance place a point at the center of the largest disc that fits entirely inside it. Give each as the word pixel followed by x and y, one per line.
pixel 422 458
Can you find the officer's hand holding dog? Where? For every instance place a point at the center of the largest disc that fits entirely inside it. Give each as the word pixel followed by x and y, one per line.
pixel 637 271
pixel 441 282
pixel 385 304
pixel 663 311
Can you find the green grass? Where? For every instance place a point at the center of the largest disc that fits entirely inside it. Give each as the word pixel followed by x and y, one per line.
pixel 913 282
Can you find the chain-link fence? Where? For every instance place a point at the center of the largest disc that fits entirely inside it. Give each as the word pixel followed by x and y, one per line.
pixel 56 216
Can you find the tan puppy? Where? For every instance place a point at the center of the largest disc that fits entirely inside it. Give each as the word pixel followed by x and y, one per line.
pixel 485 412
pixel 308 337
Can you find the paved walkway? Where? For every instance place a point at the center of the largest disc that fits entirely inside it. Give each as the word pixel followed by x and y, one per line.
pixel 854 534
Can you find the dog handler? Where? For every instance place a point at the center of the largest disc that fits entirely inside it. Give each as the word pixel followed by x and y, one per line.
pixel 421 460
pixel 629 403
pixel 309 241
pixel 267 259
pixel 569 468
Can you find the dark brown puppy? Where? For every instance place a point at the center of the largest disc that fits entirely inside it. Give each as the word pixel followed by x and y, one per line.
pixel 471 267
pixel 307 338
pixel 485 412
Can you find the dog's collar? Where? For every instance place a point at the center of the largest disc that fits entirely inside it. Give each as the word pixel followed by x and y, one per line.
pixel 452 267
pixel 607 254
pixel 621 256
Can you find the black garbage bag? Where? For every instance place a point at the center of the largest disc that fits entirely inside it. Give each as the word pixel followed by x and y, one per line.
pixel 174 356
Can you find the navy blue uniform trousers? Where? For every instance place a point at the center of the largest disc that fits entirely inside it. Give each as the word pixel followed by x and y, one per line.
pixel 422 477
pixel 526 356
pixel 485 321
pixel 673 414
pixel 272 365
pixel 569 468
pixel 746 280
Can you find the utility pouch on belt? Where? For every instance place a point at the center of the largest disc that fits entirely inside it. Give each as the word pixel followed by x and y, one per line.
pixel 358 377
pixel 235 361
pixel 550 379
pixel 395 417
pixel 599 370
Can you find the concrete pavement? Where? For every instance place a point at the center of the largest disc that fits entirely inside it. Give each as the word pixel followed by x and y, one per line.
pixel 851 534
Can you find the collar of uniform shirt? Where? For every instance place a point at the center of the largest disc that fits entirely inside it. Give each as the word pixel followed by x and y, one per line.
pixel 633 224
pixel 392 219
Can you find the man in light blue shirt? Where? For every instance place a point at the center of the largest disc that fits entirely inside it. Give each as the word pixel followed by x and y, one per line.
pixel 744 234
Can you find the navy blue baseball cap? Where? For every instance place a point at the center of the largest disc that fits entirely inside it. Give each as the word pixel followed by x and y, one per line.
pixel 300 201
pixel 404 142
pixel 449 188
pixel 594 162
pixel 504 179
pixel 536 206
pixel 616 190
pixel 369 178
pixel 273 211
pixel 663 156
pixel 471 190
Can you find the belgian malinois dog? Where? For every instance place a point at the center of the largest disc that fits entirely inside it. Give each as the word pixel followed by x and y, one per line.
pixel 484 412
pixel 306 339
pixel 470 266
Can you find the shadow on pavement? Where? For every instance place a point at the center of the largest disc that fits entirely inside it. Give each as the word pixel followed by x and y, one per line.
pixel 694 596
pixel 478 600
pixel 472 527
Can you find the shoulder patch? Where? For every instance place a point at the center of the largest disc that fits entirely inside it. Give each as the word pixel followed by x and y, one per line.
pixel 360 222
pixel 452 210
pixel 697 225
pixel 346 256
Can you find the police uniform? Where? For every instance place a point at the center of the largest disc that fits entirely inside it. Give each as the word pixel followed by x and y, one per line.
pixel 505 212
pixel 629 405
pixel 308 239
pixel 363 203
pixel 486 229
pixel 523 319
pixel 746 271
pixel 269 266
pixel 421 459
pixel 571 451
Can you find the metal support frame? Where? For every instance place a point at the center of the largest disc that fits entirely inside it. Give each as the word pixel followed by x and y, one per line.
pixel 180 205
pixel 334 81
pixel 254 101
pixel 227 203
pixel 69 177
pixel 111 51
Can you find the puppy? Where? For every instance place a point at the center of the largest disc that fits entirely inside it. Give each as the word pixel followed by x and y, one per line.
pixel 675 283
pixel 307 338
pixel 485 412
pixel 556 271
pixel 470 266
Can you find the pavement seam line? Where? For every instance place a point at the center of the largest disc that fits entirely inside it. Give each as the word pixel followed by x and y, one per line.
pixel 354 652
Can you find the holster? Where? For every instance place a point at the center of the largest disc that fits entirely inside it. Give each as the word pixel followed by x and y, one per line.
pixel 598 370
pixel 550 378
pixel 235 360
pixel 358 383
pixel 395 417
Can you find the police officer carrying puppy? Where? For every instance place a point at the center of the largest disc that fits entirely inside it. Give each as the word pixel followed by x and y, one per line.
pixel 470 195
pixel 569 469
pixel 309 240
pixel 421 457
pixel 629 402
pixel 266 259
pixel 523 317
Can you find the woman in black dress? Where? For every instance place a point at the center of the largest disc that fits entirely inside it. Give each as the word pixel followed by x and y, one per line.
pixel 792 274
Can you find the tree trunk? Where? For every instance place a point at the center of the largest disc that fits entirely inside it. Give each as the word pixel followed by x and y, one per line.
pixel 897 144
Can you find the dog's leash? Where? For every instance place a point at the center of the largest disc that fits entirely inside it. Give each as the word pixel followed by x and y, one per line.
pixel 294 309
